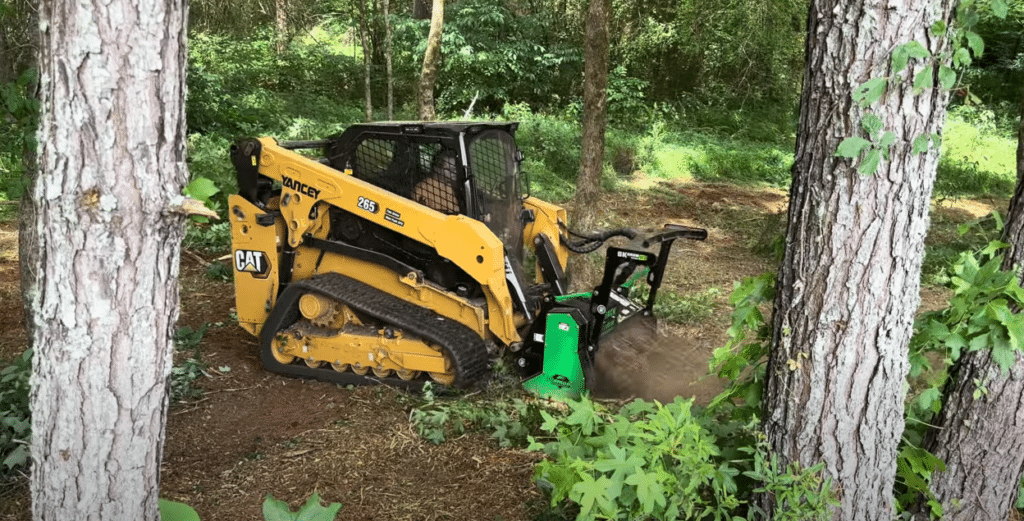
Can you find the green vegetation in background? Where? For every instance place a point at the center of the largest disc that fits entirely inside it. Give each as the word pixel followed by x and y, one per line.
pixel 19 117
pixel 978 155
pixel 15 417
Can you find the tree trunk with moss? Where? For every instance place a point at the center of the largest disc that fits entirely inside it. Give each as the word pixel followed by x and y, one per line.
pixel 848 285
pixel 112 163
pixel 431 60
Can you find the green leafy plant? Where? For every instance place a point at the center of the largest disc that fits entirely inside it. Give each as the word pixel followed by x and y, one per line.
pixel 312 510
pixel 15 417
pixel 202 189
pixel 654 461
pixel 741 360
pixel 982 314
pixel 174 511
pixel 190 367
pixel 220 272
pixel 798 493
pixel 211 239
pixel 508 421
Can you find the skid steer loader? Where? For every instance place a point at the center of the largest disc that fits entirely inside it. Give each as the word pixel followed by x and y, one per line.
pixel 394 252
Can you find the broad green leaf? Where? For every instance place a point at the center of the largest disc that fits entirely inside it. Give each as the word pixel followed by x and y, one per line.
pixel 871 124
pixel 947 77
pixel 887 139
pixel 916 50
pixel 17 457
pixel 648 490
pixel 900 58
pixel 591 493
pixel 962 58
pixel 276 510
pixel 930 397
pixel 938 330
pixel 955 343
pixel 852 146
pixel 871 161
pixel 870 91
pixel 1003 355
pixel 999 8
pixel 938 28
pixel 921 144
pixel 313 511
pixel 975 42
pixel 174 511
pixel 978 343
pixel 201 188
pixel 923 79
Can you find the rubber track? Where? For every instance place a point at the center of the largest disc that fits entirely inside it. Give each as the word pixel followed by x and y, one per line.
pixel 465 348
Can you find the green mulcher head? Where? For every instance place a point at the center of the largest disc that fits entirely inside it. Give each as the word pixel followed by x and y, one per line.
pixel 562 343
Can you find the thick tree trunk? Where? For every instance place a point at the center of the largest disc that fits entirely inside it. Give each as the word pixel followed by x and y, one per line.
pixel 112 157
pixel 595 110
pixel 388 53
pixel 848 284
pixel 431 59
pixel 981 440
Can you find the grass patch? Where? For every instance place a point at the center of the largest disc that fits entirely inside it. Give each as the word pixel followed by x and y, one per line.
pixel 978 157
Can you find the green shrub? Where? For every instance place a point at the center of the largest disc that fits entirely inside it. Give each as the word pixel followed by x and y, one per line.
pixel 654 461
pixel 15 417
pixel 186 371
pixel 208 238
pixel 508 421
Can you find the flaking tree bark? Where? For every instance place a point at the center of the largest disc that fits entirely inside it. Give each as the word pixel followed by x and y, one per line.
pixel 112 160
pixel 595 110
pixel 848 285
pixel 431 60
pixel 981 440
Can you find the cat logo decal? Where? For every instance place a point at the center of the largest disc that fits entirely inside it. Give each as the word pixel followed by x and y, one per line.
pixel 254 262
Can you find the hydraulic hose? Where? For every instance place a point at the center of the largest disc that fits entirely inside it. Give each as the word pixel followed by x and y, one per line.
pixel 589 243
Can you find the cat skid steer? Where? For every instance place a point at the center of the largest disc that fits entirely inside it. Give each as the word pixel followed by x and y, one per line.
pixel 394 252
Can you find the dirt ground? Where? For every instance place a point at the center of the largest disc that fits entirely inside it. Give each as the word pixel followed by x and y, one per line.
pixel 251 433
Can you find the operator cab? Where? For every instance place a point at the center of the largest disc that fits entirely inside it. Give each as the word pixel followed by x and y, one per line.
pixel 469 169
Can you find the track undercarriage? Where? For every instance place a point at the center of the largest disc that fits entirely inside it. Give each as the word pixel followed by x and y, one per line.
pixel 334 328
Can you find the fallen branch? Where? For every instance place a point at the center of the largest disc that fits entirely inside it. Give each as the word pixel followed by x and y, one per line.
pixel 7 203
pixel 196 256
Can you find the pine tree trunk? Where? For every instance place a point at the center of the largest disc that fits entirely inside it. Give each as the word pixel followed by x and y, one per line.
pixel 981 440
pixel 112 156
pixel 848 284
pixel 595 109
pixel 431 60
